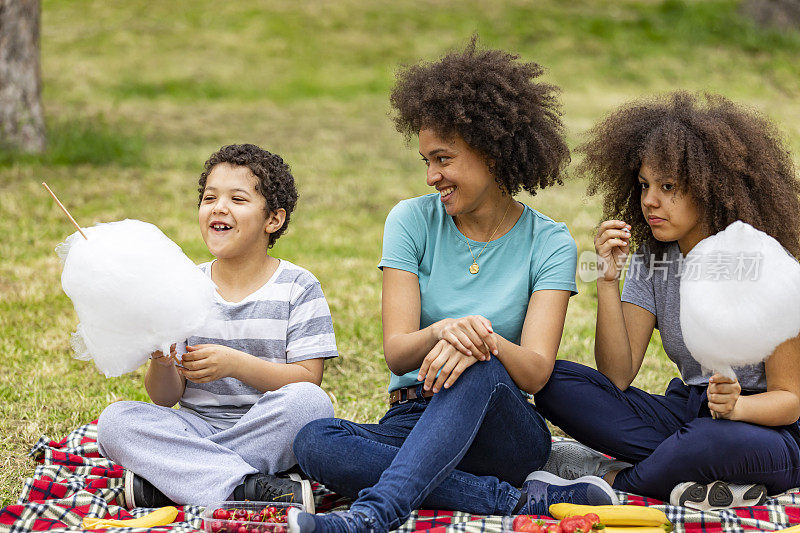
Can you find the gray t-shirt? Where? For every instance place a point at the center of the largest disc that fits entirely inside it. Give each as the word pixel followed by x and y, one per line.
pixel 657 289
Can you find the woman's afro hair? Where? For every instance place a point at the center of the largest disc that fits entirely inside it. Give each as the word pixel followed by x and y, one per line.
pixel 491 101
pixel 274 180
pixel 729 159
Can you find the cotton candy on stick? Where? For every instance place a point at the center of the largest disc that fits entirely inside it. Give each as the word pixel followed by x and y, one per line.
pixel 740 298
pixel 134 291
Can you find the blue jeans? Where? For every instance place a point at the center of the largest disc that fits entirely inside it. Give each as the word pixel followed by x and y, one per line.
pixel 669 439
pixel 465 448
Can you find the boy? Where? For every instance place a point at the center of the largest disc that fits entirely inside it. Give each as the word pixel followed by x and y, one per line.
pixel 249 380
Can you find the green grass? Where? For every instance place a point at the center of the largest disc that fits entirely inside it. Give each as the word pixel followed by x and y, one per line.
pixel 138 94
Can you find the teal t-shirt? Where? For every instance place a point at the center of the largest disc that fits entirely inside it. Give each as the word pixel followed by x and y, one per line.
pixel 421 238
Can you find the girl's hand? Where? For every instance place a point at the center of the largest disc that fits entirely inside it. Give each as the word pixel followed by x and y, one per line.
pixel 164 360
pixel 203 363
pixel 471 335
pixel 722 396
pixel 451 361
pixel 612 246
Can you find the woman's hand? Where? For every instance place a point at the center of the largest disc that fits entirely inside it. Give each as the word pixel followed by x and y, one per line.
pixel 471 335
pixel 722 396
pixel 164 360
pixel 612 246
pixel 208 362
pixel 451 361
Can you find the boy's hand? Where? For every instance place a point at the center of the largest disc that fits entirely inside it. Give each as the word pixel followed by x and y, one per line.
pixel 203 363
pixel 722 396
pixel 164 360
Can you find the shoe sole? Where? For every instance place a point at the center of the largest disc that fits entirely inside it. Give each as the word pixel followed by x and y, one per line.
pixel 552 479
pixel 128 490
pixel 307 493
pixel 719 496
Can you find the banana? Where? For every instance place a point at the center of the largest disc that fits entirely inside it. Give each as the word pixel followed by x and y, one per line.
pixel 159 517
pixel 638 529
pixel 614 515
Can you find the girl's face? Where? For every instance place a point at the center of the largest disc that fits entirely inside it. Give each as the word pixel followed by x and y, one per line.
pixel 458 172
pixel 672 216
pixel 232 213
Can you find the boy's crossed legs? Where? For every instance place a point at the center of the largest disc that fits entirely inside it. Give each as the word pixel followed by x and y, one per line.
pixel 191 461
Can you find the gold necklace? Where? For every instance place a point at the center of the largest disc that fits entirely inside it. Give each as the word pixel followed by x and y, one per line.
pixel 474 268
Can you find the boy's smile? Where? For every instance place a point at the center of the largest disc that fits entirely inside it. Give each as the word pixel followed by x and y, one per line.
pixel 232 213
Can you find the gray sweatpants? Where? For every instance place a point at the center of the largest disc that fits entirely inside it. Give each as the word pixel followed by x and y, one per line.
pixel 191 461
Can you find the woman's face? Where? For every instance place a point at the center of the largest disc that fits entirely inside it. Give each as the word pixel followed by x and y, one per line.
pixel 672 216
pixel 458 172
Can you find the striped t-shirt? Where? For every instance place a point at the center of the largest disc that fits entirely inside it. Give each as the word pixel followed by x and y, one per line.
pixel 285 321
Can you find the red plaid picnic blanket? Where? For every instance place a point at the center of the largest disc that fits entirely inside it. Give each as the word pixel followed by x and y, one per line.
pixel 73 481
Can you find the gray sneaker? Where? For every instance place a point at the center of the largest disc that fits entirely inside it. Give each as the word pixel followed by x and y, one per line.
pixel 717 495
pixel 570 459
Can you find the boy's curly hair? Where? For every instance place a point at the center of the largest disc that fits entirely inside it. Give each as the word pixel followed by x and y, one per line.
pixel 492 102
pixel 731 160
pixel 274 178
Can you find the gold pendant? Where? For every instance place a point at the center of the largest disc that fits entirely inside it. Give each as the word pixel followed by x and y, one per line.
pixel 473 268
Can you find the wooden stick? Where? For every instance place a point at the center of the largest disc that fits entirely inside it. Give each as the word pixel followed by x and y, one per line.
pixel 65 210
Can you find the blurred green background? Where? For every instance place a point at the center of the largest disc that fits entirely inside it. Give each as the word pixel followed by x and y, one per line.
pixel 138 94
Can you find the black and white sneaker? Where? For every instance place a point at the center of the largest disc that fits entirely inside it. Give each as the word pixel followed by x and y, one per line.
pixel 141 493
pixel 271 488
pixel 570 459
pixel 717 495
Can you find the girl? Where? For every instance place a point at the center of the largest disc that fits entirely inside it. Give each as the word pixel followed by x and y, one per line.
pixel 475 291
pixel 675 170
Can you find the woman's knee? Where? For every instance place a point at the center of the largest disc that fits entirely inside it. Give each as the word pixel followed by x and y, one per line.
pixel 565 375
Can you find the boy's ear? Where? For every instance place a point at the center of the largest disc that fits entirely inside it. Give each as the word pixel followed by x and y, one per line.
pixel 275 221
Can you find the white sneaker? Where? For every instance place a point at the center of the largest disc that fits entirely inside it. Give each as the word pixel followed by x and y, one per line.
pixel 717 495
pixel 571 459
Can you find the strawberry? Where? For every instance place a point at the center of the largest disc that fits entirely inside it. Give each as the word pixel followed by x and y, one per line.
pixel 573 524
pixel 553 528
pixel 595 520
pixel 526 524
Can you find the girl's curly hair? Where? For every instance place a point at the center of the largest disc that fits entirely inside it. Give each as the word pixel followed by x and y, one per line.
pixel 730 160
pixel 492 102
pixel 274 180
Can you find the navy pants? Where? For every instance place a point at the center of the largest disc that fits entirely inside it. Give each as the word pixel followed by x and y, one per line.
pixel 466 448
pixel 669 439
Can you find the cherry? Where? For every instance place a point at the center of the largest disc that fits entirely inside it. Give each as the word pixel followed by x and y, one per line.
pixel 242 529
pixel 216 527
pixel 220 514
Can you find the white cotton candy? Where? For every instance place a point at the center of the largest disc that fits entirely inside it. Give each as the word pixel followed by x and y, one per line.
pixel 134 291
pixel 740 298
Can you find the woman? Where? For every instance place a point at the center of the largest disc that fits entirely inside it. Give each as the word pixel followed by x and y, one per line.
pixel 475 291
pixel 674 171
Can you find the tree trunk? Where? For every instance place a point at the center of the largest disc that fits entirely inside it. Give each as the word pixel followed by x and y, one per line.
pixel 780 14
pixel 21 118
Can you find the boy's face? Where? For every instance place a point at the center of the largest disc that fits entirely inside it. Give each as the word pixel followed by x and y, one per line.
pixel 232 213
